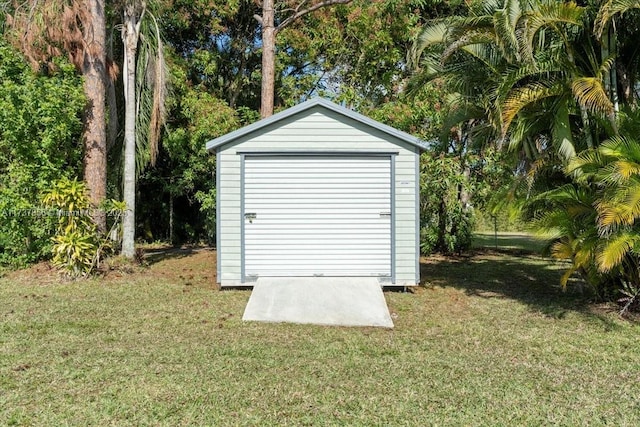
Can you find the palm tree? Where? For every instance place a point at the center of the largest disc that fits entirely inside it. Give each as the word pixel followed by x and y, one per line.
pixel 609 10
pixel 565 216
pixel 615 168
pixel 145 85
pixel 594 220
pixel 533 83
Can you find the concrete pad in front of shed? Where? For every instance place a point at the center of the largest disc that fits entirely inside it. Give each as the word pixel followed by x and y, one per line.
pixel 338 301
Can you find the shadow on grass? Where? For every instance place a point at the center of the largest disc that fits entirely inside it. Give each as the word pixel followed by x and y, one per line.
pixel 522 242
pixel 156 255
pixel 528 278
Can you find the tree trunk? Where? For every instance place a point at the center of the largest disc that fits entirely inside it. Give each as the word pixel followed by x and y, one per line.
pixel 583 111
pixel 171 232
pixel 268 59
pixel 613 47
pixel 441 245
pixel 610 81
pixel 130 33
pixel 626 84
pixel 269 33
pixel 95 138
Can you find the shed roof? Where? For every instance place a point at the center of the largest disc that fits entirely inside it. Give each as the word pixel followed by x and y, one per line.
pixel 307 105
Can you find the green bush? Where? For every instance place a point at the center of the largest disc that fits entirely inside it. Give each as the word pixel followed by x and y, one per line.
pixel 76 243
pixel 78 247
pixel 40 128
pixel 447 220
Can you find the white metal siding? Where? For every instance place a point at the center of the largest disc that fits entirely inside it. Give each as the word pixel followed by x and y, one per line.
pixel 317 216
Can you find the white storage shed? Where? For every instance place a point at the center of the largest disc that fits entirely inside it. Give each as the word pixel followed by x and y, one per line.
pixel 317 190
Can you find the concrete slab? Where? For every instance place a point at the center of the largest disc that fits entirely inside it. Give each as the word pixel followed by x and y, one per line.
pixel 338 301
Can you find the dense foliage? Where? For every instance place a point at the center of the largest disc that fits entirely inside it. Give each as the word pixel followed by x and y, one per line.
pixel 353 53
pixel 40 127
pixel 554 84
pixel 531 104
pixel 185 172
pixel 446 223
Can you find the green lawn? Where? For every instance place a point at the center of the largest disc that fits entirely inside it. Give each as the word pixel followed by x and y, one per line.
pixel 488 340
pixel 509 241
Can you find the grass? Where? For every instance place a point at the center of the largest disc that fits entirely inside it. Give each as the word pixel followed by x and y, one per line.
pixel 509 241
pixel 488 340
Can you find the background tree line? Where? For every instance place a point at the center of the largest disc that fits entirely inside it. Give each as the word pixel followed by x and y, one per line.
pixel 531 104
pixel 351 51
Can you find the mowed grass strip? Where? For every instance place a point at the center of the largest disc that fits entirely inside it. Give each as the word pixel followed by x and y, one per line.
pixel 508 241
pixel 488 340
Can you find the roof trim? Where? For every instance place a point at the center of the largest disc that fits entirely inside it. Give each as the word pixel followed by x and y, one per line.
pixel 314 102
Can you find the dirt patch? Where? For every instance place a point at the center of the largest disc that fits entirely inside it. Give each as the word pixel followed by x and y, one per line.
pixel 187 265
pixel 42 273
pixel 191 266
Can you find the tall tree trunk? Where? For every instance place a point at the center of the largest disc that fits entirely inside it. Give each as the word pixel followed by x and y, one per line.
pixel 626 84
pixel 268 59
pixel 95 138
pixel 171 226
pixel 269 33
pixel 441 245
pixel 130 35
pixel 610 81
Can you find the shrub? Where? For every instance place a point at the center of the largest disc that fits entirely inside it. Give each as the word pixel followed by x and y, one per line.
pixel 447 220
pixel 78 247
pixel 75 244
pixel 40 127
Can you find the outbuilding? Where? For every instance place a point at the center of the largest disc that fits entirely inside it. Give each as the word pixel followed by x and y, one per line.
pixel 317 190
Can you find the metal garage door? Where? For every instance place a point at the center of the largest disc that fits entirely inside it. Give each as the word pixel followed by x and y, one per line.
pixel 317 216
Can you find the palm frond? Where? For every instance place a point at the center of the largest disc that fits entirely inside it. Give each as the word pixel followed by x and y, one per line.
pixel 588 162
pixel 625 169
pixel 486 54
pixel 619 207
pixel 487 7
pixel 430 35
pixel 567 194
pixel 473 37
pixel 620 146
pixel 151 91
pixel 590 94
pixel 562 250
pixel 504 24
pixel 606 65
pixel 460 113
pixel 614 250
pixel 160 88
pixel 632 202
pixel 511 77
pixel 561 132
pixel 567 275
pixel 609 9
pixel 551 14
pixel 520 98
